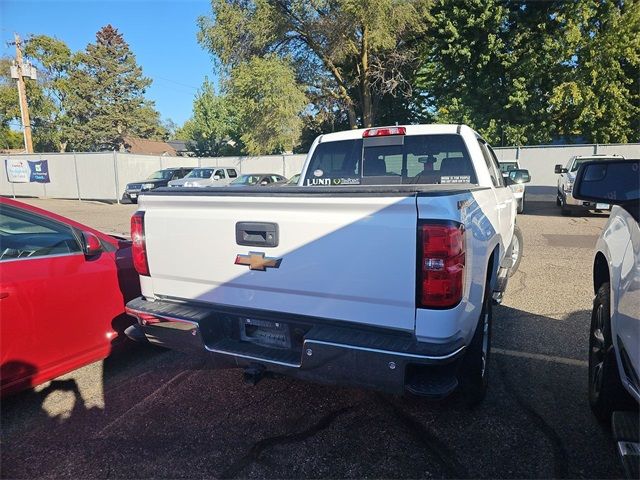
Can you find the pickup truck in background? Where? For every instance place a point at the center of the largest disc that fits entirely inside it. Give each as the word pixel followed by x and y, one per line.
pixel 378 270
pixel 567 176
pixel 206 177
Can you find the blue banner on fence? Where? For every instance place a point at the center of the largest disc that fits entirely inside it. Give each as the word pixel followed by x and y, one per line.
pixel 25 171
pixel 39 171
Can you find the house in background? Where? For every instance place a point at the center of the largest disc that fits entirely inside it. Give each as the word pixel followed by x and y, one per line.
pixel 143 146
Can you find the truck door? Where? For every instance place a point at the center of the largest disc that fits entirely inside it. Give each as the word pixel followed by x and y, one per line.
pixel 504 196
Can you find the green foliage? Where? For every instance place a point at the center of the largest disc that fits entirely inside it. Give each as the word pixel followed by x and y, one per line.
pixel 211 130
pixel 600 97
pixel 534 71
pixel 351 52
pixel 267 103
pixel 105 100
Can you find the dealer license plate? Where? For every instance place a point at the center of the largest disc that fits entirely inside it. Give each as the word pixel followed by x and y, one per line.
pixel 602 206
pixel 133 195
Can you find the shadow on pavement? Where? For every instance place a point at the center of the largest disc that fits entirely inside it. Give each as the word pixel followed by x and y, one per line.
pixel 163 417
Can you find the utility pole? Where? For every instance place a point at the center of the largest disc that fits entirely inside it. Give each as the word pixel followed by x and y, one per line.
pixel 18 71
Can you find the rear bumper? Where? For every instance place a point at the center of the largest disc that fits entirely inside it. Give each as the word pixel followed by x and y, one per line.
pixel 577 204
pixel 319 350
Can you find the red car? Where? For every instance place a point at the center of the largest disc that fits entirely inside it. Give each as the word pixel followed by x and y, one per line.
pixel 63 287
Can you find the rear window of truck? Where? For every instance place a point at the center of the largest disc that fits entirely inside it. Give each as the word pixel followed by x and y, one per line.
pixel 414 159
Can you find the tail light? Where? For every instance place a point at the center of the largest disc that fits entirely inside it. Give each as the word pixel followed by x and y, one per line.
pixel 139 249
pixel 384 132
pixel 441 253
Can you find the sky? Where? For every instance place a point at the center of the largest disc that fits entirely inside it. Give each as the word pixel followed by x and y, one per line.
pixel 161 34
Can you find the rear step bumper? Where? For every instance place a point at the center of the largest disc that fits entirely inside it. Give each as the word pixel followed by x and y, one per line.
pixel 317 350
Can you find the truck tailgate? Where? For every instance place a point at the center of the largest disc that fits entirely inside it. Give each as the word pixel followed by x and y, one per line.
pixel 343 258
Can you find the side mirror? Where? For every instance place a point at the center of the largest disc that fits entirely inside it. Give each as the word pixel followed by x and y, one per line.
pixel 560 169
pixel 263 182
pixel 91 244
pixel 519 176
pixel 216 177
pixel 616 182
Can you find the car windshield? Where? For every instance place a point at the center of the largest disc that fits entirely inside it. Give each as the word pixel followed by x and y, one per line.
pixel 200 173
pixel 294 180
pixel 415 159
pixel 506 167
pixel 580 161
pixel 246 180
pixel 161 175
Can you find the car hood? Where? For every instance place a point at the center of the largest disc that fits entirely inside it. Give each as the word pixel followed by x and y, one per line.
pixel 179 182
pixel 155 182
pixel 198 182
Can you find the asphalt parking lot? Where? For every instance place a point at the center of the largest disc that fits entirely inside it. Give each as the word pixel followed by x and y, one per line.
pixel 146 412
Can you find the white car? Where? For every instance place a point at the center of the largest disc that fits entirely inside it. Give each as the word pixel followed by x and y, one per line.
pixel 378 271
pixel 206 177
pixel 614 340
pixel 518 189
pixel 567 175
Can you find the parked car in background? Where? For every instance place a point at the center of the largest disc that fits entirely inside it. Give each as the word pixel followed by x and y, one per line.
pixel 565 200
pixel 62 294
pixel 158 179
pixel 206 177
pixel 614 339
pixel 294 180
pixel 257 179
pixel 518 189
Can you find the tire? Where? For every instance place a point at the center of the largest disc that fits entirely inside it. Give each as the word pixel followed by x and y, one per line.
pixel 564 210
pixel 606 393
pixel 517 248
pixel 558 201
pixel 521 205
pixel 475 363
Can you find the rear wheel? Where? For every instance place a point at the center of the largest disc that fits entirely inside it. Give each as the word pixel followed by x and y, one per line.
pixel 475 364
pixel 606 392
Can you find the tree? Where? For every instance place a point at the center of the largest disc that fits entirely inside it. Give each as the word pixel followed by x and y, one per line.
pixel 531 72
pixel 105 100
pixel 210 129
pixel 41 108
pixel 53 60
pixel 351 51
pixel 600 97
pixel 267 103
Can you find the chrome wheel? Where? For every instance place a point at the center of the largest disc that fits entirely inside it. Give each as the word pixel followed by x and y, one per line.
pixel 515 250
pixel 485 342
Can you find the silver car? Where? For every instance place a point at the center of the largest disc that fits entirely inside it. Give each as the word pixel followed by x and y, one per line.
pixel 207 177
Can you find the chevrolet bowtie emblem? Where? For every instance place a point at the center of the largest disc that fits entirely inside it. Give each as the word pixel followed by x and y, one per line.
pixel 257 261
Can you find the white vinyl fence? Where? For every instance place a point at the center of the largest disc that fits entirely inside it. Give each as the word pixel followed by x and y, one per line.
pixel 103 176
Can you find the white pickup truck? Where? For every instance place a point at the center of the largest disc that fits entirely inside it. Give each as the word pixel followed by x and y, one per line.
pixel 377 270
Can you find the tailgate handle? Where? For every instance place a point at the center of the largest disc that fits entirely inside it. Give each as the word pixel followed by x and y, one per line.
pixel 257 234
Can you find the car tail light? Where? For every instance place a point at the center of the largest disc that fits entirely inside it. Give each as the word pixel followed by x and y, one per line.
pixel 139 249
pixel 384 132
pixel 441 253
